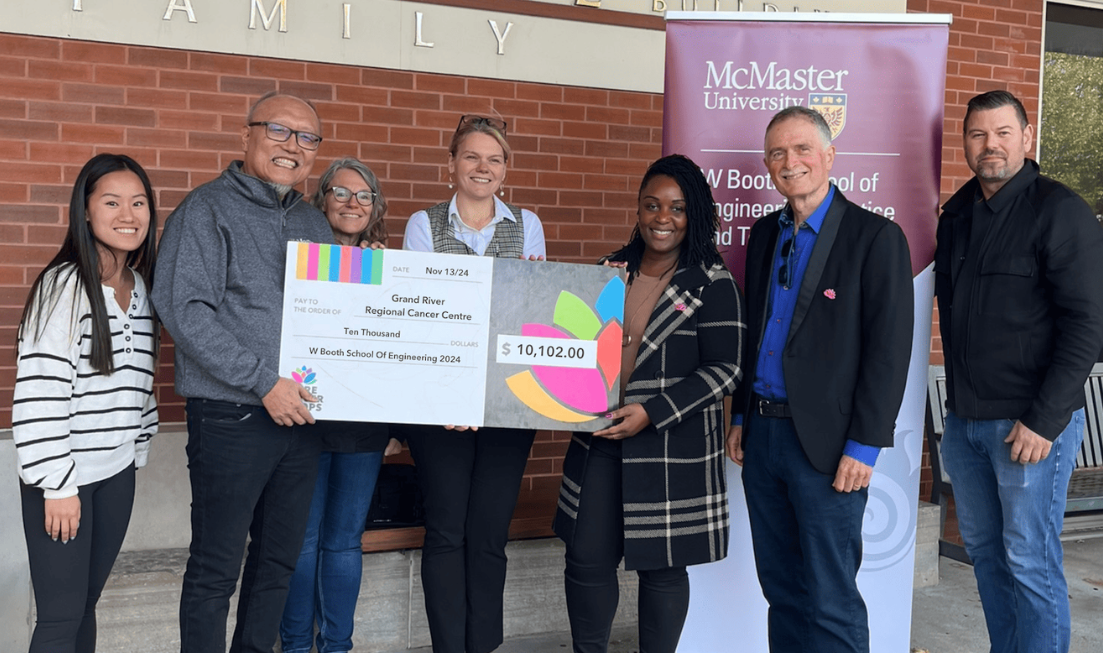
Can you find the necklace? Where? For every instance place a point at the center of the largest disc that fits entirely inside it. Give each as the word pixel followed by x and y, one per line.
pixel 627 338
pixel 648 301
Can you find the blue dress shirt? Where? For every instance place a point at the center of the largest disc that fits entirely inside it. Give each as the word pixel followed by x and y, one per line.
pixel 769 381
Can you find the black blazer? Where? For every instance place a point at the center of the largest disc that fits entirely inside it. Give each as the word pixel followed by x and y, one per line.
pixel 846 358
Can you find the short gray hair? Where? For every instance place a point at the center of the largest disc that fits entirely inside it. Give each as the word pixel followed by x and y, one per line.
pixel 376 230
pixel 811 115
pixel 275 94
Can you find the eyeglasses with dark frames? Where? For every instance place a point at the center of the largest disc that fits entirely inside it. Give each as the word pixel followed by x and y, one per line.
pixel 785 273
pixel 280 133
pixel 472 119
pixel 363 198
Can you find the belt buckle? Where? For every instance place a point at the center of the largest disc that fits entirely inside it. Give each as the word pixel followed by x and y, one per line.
pixel 762 405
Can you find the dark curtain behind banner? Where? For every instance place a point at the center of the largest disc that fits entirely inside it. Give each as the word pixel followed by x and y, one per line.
pixel 880 84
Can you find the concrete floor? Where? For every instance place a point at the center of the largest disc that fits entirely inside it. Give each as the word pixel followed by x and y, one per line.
pixel 946 618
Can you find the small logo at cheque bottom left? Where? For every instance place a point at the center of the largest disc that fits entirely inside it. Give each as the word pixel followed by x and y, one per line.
pixel 303 375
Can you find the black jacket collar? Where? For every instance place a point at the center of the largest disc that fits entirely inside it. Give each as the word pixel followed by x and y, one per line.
pixel 1004 196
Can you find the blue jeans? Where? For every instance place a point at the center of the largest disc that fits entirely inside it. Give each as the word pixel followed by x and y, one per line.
pixel 326 582
pixel 807 541
pixel 1010 515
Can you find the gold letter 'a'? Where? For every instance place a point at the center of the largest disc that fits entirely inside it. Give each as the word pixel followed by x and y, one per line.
pixel 174 5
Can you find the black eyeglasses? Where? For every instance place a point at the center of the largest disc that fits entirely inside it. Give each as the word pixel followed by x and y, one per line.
pixel 785 273
pixel 363 198
pixel 472 119
pixel 279 133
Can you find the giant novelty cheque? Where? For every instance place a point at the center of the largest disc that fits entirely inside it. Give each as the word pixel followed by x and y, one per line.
pixel 424 338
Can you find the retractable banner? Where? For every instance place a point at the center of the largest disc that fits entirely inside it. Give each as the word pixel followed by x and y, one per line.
pixel 879 80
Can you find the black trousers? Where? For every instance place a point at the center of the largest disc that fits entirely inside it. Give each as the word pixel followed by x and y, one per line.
pixel 69 577
pixel 469 481
pixel 250 479
pixel 590 579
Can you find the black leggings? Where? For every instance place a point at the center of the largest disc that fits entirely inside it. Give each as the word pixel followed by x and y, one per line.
pixel 590 579
pixel 69 577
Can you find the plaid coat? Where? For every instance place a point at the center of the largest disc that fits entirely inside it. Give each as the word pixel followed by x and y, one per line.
pixel 674 488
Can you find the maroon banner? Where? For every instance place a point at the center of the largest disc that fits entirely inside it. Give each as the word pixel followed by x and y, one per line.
pixel 880 85
pixel 725 80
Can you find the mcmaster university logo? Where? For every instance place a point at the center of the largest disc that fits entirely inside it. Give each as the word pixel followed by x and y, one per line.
pixel 832 106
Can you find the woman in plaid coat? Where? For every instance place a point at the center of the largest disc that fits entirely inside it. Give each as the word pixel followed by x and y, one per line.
pixel 651 488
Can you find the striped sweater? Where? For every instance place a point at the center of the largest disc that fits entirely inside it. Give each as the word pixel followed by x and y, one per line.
pixel 72 425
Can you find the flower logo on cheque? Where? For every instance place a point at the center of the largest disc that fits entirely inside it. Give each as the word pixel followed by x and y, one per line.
pixel 306 377
pixel 576 394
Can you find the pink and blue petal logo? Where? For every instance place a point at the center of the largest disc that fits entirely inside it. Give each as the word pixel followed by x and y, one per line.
pixel 570 394
pixel 304 376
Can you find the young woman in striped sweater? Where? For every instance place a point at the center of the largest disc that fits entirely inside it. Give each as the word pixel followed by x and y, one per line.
pixel 83 411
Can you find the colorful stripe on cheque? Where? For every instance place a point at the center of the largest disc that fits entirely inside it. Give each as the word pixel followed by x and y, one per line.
pixel 315 262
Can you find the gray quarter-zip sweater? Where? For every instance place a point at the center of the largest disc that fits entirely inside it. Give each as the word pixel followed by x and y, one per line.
pixel 219 283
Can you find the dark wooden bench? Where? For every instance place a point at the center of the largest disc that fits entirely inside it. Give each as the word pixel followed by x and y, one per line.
pixel 532 518
pixel 1086 487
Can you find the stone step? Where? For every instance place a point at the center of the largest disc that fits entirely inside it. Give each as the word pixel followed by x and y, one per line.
pixel 139 607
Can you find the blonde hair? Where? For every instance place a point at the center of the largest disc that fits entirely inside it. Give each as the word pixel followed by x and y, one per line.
pixel 482 126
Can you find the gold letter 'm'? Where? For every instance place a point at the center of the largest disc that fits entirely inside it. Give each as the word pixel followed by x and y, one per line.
pixel 281 6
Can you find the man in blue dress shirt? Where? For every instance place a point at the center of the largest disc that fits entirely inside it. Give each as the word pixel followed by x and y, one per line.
pixel 830 313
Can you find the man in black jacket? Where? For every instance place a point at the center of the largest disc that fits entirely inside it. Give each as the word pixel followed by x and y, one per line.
pixel 1021 313
pixel 830 309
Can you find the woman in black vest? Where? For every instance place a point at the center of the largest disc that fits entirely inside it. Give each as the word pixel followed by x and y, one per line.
pixel 470 477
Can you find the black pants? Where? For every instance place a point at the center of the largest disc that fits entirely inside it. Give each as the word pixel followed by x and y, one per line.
pixel 590 579
pixel 469 481
pixel 68 577
pixel 250 478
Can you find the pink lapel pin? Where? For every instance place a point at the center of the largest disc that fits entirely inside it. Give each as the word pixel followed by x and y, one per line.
pixel 829 293
pixel 680 307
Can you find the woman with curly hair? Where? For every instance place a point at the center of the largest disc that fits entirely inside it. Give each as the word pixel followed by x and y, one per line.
pixel 651 489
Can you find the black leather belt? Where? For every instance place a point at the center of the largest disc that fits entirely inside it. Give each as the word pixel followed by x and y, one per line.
pixel 772 409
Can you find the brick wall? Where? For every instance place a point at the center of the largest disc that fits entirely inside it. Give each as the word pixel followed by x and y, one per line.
pixel 994 44
pixel 578 152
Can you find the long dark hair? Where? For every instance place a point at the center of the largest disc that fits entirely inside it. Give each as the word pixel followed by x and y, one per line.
pixel 699 245
pixel 79 255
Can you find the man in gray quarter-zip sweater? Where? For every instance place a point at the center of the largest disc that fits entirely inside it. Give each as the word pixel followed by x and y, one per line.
pixel 251 456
